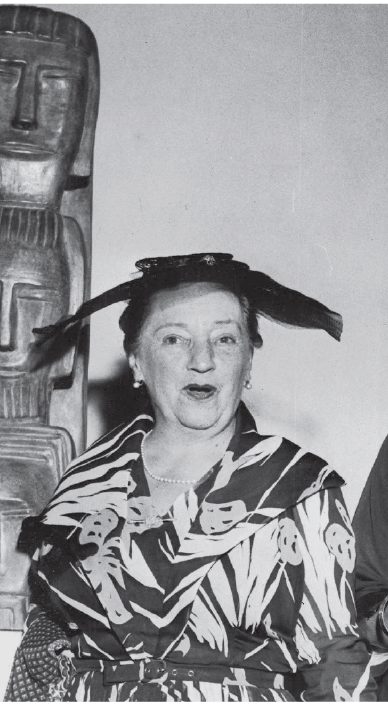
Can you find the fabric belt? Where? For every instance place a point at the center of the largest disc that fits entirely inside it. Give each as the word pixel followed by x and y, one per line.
pixel 154 669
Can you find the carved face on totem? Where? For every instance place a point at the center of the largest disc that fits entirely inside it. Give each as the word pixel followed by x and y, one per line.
pixel 33 293
pixel 43 94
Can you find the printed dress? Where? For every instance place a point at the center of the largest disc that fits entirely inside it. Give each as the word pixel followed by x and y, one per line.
pixel 247 580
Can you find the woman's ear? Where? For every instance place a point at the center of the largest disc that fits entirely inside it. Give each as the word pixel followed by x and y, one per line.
pixel 135 367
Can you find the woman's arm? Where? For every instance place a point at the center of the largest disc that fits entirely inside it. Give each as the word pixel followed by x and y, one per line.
pixel 332 656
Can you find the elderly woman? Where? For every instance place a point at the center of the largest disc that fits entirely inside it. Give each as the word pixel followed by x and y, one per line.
pixel 184 556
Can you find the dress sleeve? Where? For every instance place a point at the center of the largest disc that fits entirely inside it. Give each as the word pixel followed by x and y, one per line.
pixel 331 655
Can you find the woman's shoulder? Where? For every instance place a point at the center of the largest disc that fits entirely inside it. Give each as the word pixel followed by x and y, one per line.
pixel 288 447
pixel 135 425
pixel 113 441
pixel 296 463
pixel 250 425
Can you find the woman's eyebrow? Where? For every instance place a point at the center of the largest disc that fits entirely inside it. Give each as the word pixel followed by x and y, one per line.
pixel 172 324
pixel 230 321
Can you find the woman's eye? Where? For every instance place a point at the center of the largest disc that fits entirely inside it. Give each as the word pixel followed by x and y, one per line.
pixel 227 340
pixel 174 340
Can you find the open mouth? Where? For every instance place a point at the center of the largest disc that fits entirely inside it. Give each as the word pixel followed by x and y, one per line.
pixel 200 391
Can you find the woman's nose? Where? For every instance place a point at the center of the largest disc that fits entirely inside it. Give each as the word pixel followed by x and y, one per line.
pixel 202 357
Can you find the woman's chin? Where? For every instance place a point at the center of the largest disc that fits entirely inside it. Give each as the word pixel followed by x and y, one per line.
pixel 201 418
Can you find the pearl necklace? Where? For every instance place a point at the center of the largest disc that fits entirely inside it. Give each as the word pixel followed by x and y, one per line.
pixel 158 478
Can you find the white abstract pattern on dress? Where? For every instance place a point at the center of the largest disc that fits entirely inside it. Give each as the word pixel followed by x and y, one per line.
pixel 246 581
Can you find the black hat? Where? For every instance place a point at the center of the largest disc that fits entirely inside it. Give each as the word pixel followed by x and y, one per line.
pixel 268 298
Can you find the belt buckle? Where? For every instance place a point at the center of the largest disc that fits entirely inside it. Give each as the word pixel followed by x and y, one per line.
pixel 154 669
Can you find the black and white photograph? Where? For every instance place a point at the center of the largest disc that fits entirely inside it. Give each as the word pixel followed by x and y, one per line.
pixel 193 352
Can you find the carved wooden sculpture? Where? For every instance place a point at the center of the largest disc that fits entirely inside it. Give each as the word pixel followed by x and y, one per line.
pixel 49 85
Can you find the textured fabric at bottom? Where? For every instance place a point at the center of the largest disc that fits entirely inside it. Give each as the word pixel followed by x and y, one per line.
pixel 89 688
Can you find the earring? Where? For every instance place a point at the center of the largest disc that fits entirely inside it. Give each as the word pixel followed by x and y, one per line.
pixel 137 383
pixel 247 384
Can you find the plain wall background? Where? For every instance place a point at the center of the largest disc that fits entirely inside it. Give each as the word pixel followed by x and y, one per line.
pixel 259 130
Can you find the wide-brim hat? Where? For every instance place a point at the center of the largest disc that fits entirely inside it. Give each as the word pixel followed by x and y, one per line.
pixel 268 298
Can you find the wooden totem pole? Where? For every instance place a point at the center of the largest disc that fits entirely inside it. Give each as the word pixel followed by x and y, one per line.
pixel 49 86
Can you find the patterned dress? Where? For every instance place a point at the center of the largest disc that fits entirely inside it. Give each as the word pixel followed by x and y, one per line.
pixel 245 582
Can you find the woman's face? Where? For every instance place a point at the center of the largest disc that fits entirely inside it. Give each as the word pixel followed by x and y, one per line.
pixel 194 355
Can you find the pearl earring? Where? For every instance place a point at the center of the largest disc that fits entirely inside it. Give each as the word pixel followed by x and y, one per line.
pixel 137 383
pixel 247 384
